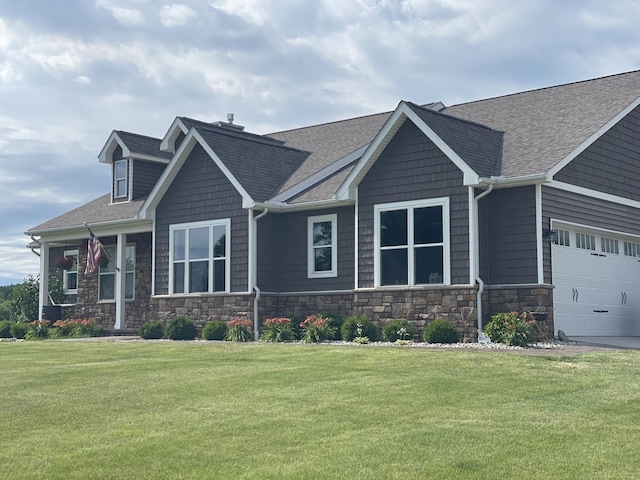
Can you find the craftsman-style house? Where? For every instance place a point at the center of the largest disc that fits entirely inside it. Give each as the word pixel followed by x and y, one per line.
pixel 525 202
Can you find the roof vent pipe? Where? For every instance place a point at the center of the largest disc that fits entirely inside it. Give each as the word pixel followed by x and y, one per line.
pixel 230 118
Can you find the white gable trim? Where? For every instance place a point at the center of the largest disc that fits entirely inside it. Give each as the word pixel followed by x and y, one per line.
pixel 393 124
pixel 584 145
pixel 168 143
pixel 114 141
pixel 587 192
pixel 171 172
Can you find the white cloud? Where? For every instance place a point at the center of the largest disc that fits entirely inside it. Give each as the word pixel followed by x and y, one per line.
pixel 176 14
pixel 124 15
pixel 252 11
pixel 82 80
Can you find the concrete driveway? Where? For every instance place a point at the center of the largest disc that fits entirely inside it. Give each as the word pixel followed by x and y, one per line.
pixel 631 343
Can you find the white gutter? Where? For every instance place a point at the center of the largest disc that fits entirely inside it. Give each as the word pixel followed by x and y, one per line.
pixel 254 274
pixel 482 338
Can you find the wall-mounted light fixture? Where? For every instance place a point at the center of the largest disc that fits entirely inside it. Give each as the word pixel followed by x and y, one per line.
pixel 550 235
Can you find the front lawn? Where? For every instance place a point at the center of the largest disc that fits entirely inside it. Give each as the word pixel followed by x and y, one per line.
pixel 135 410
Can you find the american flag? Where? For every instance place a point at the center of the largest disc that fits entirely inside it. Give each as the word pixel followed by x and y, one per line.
pixel 93 254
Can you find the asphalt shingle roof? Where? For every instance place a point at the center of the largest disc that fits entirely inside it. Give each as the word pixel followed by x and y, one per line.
pixel 478 146
pixel 99 210
pixel 543 126
pixel 142 144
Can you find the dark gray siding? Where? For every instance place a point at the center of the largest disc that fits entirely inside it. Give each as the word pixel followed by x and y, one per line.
pixel 201 192
pixel 145 176
pixel 268 252
pixel 413 168
pixel 612 163
pixel 483 236
pixel 575 208
pixel 292 252
pixel 510 246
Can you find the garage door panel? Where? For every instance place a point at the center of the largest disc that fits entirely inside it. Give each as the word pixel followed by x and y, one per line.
pixel 596 293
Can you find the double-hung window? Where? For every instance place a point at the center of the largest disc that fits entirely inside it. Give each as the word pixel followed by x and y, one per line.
pixel 120 179
pixel 412 243
pixel 322 238
pixel 199 257
pixel 70 276
pixel 107 274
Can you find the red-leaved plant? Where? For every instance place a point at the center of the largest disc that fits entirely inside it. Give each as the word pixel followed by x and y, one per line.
pixel 278 329
pixel 239 330
pixel 315 329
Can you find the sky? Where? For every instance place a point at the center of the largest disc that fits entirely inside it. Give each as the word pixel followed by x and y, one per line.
pixel 72 71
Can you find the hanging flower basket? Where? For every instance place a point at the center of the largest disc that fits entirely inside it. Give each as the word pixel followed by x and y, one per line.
pixel 64 263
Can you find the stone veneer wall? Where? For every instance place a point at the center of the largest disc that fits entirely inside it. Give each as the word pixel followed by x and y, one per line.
pixel 136 311
pixel 201 308
pixel 535 299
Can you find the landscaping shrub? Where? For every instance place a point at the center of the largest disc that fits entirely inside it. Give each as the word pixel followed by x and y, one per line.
pixel 335 322
pixel 399 329
pixel 38 329
pixel 181 328
pixel 151 330
pixel 214 330
pixel 510 328
pixel 441 331
pixel 239 330
pixel 19 330
pixel 350 327
pixel 75 328
pixel 315 329
pixel 277 329
pixel 5 329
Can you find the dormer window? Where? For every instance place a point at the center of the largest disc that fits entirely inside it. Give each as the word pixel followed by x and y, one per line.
pixel 121 179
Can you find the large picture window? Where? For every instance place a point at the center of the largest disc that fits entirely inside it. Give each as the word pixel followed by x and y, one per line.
pixel 199 257
pixel 322 237
pixel 107 274
pixel 411 243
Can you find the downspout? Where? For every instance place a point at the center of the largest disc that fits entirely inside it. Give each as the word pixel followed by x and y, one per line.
pixel 482 338
pixel 256 334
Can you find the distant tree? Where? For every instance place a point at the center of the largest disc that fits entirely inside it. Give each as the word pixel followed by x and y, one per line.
pixel 24 300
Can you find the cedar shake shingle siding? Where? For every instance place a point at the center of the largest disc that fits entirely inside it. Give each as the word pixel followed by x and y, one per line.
pixel 511 225
pixel 145 176
pixel 201 192
pixel 412 168
pixel 268 252
pixel 292 252
pixel 612 163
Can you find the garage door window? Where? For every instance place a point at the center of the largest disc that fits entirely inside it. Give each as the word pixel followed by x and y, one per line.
pixel 562 238
pixel 631 249
pixel 610 245
pixel 586 242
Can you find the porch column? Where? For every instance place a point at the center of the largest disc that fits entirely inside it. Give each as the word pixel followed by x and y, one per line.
pixel 43 292
pixel 121 252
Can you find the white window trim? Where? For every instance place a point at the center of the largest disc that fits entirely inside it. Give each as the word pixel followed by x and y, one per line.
pixel 311 264
pixel 226 222
pixel 65 273
pixel 116 179
pixel 115 272
pixel 410 206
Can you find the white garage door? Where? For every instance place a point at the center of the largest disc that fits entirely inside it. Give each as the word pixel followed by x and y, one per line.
pixel 597 282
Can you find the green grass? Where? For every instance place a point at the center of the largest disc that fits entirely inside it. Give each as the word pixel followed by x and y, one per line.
pixel 78 410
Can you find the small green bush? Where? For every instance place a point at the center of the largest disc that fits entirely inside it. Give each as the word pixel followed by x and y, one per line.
pixel 335 323
pixel 399 329
pixel 214 330
pixel 350 328
pixel 510 328
pixel 19 330
pixel 151 330
pixel 239 330
pixel 441 331
pixel 5 329
pixel 181 328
